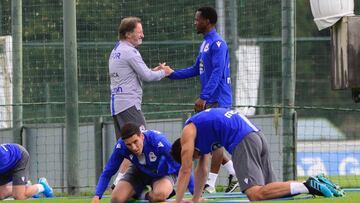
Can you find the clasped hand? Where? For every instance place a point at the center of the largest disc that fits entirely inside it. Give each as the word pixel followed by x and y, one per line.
pixel 163 66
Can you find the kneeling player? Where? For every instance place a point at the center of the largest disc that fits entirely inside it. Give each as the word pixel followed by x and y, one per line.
pixel 152 164
pixel 14 174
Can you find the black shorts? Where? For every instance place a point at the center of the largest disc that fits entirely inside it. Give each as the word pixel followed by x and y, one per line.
pixel 140 180
pixel 19 175
pixel 129 115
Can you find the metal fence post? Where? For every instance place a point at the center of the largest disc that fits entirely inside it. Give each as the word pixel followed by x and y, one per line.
pixel 71 96
pixel 288 86
pixel 16 26
pixel 98 146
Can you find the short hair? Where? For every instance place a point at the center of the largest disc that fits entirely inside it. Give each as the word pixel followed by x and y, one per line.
pixel 126 25
pixel 208 13
pixel 176 150
pixel 129 129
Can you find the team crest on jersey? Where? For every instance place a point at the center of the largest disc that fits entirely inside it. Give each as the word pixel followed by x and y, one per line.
pixel 152 157
pixel 118 146
pixel 206 48
pixel 201 67
pixel 160 144
pixel 131 156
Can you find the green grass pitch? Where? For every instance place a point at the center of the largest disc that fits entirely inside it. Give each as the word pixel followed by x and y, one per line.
pixel 343 181
pixel 351 197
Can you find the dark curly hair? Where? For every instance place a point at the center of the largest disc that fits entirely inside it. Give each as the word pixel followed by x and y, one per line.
pixel 208 13
pixel 176 150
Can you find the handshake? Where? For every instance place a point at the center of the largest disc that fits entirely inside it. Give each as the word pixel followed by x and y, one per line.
pixel 162 66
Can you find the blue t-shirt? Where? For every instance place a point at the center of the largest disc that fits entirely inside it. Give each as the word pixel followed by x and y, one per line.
pixel 220 127
pixel 158 161
pixel 10 154
pixel 213 66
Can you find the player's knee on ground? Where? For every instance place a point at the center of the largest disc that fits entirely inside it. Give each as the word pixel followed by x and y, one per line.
pixel 158 196
pixel 4 192
pixel 255 193
pixel 2 197
pixel 116 199
pixel 20 196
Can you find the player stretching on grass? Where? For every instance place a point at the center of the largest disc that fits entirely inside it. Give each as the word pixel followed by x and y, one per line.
pixel 14 167
pixel 152 164
pixel 249 152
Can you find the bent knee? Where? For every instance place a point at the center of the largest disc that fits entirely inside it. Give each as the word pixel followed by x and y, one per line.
pixel 2 197
pixel 159 196
pixel 255 197
pixel 255 194
pixel 118 199
pixel 20 197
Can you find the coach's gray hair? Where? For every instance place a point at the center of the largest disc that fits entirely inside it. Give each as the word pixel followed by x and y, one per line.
pixel 126 25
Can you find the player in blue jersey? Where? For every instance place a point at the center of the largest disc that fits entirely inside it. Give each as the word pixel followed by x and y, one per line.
pixel 250 155
pixel 213 66
pixel 14 174
pixel 152 164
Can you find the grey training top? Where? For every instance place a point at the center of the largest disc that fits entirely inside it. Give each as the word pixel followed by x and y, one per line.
pixel 127 70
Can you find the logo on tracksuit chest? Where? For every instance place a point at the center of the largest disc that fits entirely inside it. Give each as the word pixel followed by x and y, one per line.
pixel 206 48
pixel 152 157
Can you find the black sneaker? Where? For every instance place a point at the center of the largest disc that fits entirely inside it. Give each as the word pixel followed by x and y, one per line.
pixel 232 184
pixel 315 187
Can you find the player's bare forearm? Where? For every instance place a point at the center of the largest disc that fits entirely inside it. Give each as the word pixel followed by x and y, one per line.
pixel 187 152
pixel 183 181
pixel 200 177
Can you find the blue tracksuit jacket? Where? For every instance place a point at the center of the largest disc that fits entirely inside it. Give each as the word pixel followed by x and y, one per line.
pixel 213 66
pixel 158 161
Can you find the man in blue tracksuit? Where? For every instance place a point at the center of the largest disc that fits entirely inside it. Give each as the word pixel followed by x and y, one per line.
pixel 213 66
pixel 250 153
pixel 152 164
